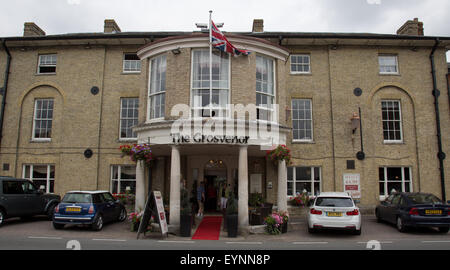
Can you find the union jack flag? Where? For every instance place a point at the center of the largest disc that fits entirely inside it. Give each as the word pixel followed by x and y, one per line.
pixel 219 41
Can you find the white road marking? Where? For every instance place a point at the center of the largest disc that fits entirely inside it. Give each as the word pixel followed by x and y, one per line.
pixel 44 237
pixel 244 243
pixel 437 241
pixel 110 240
pixel 381 242
pixel 309 243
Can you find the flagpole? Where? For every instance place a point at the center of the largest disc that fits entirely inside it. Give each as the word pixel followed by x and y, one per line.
pixel 210 61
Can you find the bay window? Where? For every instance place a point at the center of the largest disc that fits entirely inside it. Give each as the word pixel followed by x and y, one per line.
pixel 265 88
pixel 210 94
pixel 157 88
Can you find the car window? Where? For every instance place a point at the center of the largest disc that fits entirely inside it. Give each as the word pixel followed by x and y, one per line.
pixel 12 187
pixel 28 187
pixel 396 199
pixel 97 198
pixel 389 199
pixel 424 199
pixel 108 197
pixel 334 202
pixel 77 198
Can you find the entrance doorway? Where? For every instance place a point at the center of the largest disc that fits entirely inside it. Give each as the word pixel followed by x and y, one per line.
pixel 215 174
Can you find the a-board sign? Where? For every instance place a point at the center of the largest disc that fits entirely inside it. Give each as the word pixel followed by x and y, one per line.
pixel 154 207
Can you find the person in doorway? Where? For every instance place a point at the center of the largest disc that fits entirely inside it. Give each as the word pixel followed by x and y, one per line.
pixel 223 197
pixel 212 197
pixel 200 199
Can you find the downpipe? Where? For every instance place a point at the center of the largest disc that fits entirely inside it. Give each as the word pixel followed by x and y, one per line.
pixel 436 93
pixel 4 88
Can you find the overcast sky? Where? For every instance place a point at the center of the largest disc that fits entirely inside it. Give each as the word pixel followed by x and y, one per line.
pixel 367 16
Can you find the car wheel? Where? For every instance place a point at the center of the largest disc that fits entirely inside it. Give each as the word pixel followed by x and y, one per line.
pixel 377 215
pixel 2 217
pixel 98 224
pixel 51 211
pixel 444 229
pixel 311 230
pixel 357 232
pixel 123 215
pixel 58 226
pixel 400 226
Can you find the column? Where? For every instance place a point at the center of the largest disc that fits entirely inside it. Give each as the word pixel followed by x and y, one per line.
pixel 282 186
pixel 140 186
pixel 175 186
pixel 243 187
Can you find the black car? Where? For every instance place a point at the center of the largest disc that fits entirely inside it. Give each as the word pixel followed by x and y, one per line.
pixel 90 208
pixel 414 210
pixel 21 198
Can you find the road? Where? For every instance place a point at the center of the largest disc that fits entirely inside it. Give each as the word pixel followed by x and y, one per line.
pixel 38 234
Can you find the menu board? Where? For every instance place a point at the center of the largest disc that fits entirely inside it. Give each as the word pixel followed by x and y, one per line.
pixel 352 184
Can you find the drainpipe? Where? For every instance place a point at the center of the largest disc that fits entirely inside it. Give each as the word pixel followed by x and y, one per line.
pixel 435 92
pixel 4 90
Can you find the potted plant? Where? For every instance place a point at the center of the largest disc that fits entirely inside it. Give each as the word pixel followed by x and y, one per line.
pixel 185 213
pixel 135 219
pixel 285 218
pixel 280 153
pixel 232 216
pixel 273 223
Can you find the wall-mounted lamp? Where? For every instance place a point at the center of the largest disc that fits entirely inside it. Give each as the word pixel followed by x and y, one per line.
pixel 355 122
pixel 176 51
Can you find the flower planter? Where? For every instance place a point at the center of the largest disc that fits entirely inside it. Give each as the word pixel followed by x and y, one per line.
pixel 135 226
pixel 284 227
pixel 232 225
pixel 185 225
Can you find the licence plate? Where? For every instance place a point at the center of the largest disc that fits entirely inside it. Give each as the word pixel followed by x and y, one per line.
pixel 433 212
pixel 73 209
pixel 334 214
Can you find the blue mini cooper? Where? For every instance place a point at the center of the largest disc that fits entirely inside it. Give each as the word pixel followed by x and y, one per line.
pixel 91 208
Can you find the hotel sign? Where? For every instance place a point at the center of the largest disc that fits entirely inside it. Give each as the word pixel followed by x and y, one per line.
pixel 200 138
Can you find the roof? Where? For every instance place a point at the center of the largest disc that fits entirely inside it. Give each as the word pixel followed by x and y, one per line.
pixel 280 38
pixel 88 191
pixel 334 194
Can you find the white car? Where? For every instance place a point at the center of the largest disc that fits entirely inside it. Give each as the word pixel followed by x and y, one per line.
pixel 334 210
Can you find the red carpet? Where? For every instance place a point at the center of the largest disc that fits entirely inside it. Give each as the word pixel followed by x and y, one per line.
pixel 209 229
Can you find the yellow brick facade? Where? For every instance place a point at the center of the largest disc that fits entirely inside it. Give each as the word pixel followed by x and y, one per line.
pixel 86 121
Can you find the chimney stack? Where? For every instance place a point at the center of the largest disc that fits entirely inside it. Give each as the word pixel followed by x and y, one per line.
pixel 411 28
pixel 258 26
pixel 111 26
pixel 30 29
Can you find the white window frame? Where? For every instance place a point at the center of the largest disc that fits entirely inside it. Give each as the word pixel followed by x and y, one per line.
pixel 119 180
pixel 224 112
pixel 304 119
pixel 47 60
pixel 312 181
pixel 387 141
pixel 47 179
pixel 380 66
pixel 128 118
pixel 44 139
pixel 162 89
pixel 269 108
pixel 308 64
pixel 134 65
pixel 404 182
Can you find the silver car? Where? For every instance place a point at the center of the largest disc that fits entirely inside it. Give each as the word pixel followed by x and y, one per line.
pixel 334 210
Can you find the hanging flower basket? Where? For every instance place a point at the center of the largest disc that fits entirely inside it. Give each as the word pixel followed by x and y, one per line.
pixel 137 152
pixel 280 153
